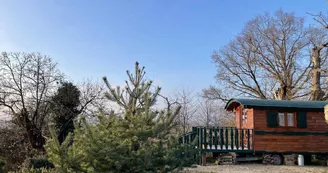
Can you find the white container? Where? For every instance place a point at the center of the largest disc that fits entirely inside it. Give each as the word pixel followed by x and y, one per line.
pixel 300 160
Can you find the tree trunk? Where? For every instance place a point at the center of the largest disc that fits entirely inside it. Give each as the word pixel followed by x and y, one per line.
pixel 35 137
pixel 67 128
pixel 316 89
pixel 33 133
pixel 283 93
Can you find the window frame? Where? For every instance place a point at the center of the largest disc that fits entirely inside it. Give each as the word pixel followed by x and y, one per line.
pixel 286 119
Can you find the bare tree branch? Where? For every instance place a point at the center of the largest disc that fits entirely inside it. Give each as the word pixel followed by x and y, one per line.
pixel 318 59
pixel 28 80
pixel 211 113
pixel 267 60
pixel 186 98
pixel 92 97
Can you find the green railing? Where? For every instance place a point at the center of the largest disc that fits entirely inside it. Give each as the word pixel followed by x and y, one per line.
pixel 187 138
pixel 220 138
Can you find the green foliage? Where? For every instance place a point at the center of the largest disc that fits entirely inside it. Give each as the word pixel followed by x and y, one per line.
pixel 64 108
pixel 109 145
pixel 137 141
pixel 67 95
pixel 2 164
pixel 187 154
pixel 63 156
pixel 33 170
pixel 39 163
pixel 132 96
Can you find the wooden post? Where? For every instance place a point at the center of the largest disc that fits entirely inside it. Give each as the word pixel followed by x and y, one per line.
pixel 248 139
pixel 216 143
pixel 211 138
pixel 189 138
pixel 226 138
pixel 201 138
pixel 221 137
pixel 198 135
pixel 242 139
pixel 204 159
pixel 205 137
pixel 231 134
pixel 237 138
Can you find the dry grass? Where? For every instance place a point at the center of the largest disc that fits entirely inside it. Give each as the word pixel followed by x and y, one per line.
pixel 257 168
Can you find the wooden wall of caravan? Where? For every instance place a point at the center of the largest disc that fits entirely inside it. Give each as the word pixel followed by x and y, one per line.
pixel 291 142
pixel 250 118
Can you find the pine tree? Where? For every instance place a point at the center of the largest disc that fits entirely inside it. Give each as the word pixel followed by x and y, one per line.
pixel 138 141
pixel 63 156
pixel 132 97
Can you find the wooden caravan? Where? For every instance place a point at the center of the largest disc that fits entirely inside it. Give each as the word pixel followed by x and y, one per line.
pixel 269 128
pixel 283 125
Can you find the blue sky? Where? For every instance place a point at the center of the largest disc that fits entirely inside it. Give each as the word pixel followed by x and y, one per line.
pixel 172 38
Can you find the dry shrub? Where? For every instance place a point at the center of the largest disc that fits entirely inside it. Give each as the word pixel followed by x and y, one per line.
pixel 14 146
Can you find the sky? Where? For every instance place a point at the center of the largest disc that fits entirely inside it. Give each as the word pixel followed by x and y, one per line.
pixel 173 39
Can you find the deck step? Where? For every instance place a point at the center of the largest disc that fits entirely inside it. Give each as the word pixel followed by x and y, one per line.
pixel 227 159
pixel 245 159
pixel 226 163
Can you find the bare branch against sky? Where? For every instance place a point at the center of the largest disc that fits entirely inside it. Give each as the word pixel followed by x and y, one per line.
pixel 270 58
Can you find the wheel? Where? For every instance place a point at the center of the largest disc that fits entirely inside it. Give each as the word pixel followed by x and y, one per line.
pixel 276 159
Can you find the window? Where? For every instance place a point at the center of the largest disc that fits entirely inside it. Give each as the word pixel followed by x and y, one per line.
pixel 286 119
pixel 290 119
pixel 281 119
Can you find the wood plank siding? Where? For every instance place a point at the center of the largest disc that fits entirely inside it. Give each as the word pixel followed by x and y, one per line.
pixel 313 138
pixel 249 124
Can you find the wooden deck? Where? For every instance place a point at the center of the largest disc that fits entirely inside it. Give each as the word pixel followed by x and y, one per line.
pixel 219 139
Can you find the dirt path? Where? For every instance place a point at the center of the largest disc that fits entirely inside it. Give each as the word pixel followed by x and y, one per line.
pixel 257 168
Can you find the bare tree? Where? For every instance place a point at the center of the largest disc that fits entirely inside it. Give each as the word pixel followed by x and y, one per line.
pixel 169 103
pixel 92 97
pixel 269 59
pixel 187 99
pixel 208 113
pixel 211 113
pixel 93 100
pixel 319 42
pixel 14 146
pixel 28 80
pixel 215 93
